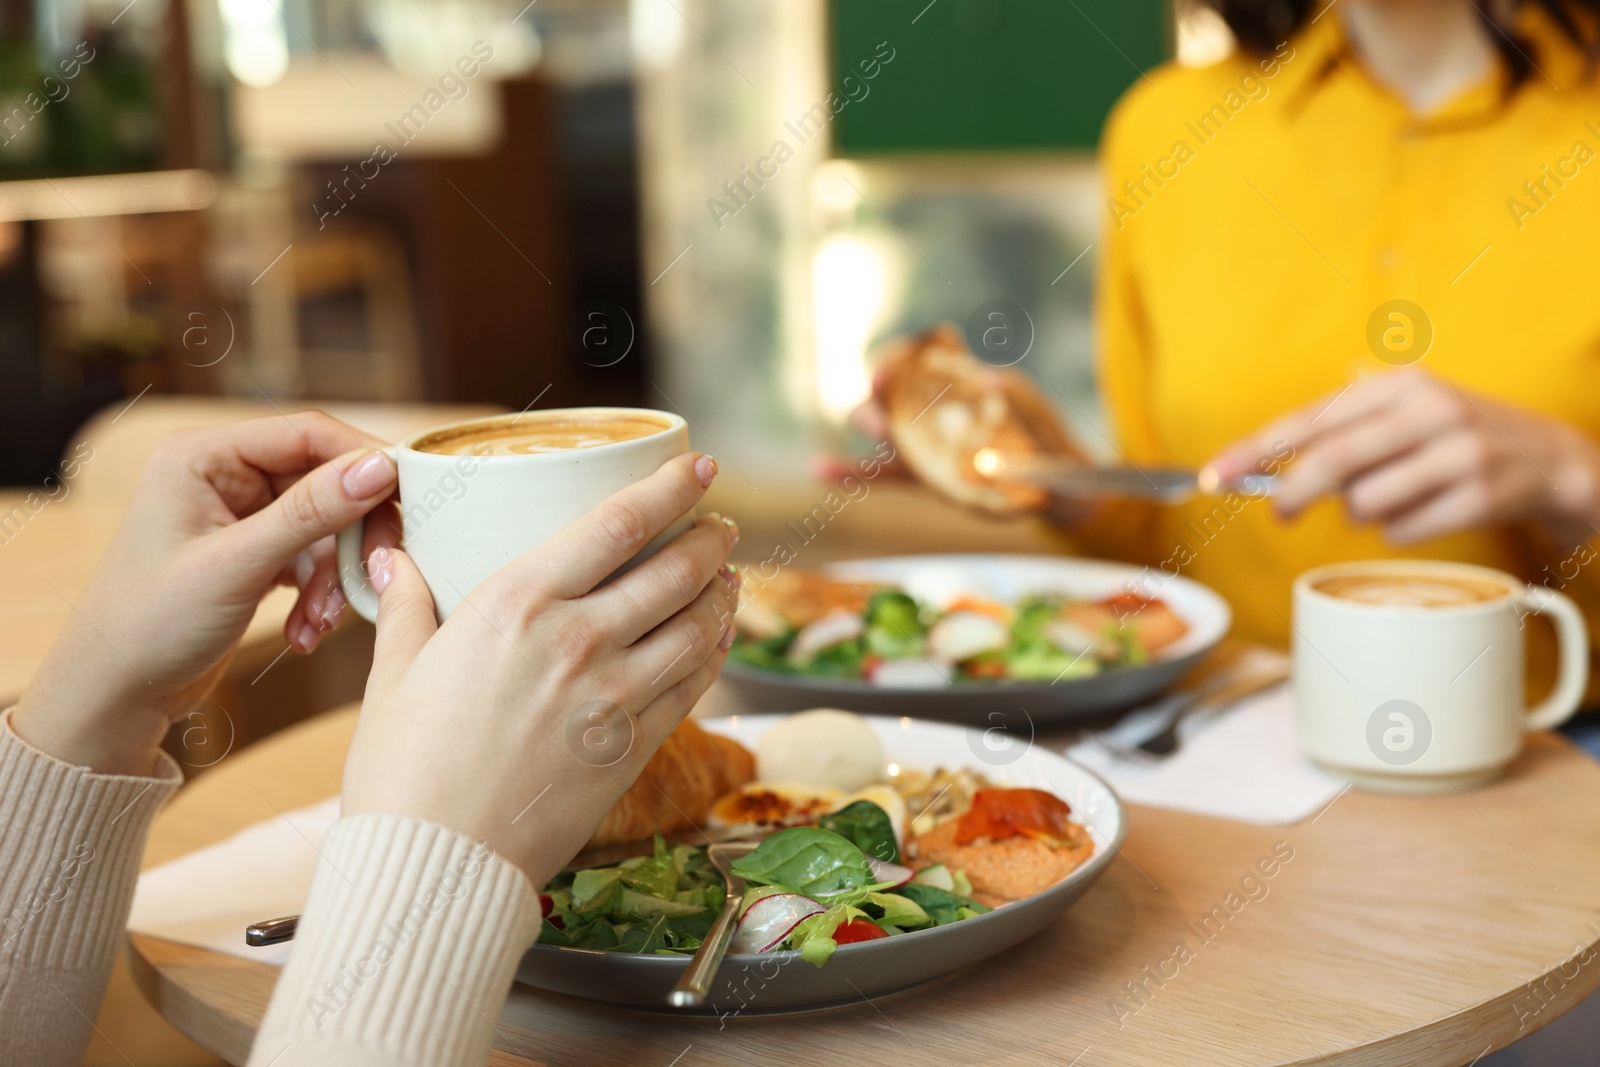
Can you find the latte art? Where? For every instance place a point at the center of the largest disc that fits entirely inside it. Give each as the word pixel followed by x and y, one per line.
pixel 530 435
pixel 1411 590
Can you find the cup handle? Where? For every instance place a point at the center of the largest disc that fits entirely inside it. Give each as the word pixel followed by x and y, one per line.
pixel 358 591
pixel 1573 638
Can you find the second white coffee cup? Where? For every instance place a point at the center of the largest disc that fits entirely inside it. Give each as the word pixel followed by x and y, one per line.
pixel 1406 697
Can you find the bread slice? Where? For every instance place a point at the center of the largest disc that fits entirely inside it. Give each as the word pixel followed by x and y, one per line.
pixel 944 405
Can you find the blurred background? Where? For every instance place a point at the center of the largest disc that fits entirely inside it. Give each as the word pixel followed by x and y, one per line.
pixel 712 206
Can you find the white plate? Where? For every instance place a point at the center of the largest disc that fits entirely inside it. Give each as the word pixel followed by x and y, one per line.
pixel 782 981
pixel 1007 578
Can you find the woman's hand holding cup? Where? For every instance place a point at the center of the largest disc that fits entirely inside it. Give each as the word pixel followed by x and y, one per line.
pixel 521 719
pixel 220 516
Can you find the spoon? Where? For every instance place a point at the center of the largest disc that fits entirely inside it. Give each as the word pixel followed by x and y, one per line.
pixel 690 992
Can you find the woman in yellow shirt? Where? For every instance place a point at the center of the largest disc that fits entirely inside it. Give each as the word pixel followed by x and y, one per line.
pixel 1360 252
pixel 1369 247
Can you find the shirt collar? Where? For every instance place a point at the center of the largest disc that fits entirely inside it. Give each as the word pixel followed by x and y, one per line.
pixel 1323 52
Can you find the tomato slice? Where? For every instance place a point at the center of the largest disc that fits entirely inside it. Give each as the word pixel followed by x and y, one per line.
pixel 855 930
pixel 998 814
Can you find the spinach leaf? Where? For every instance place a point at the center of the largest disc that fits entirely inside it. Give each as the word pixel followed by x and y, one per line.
pixel 646 937
pixel 688 931
pixel 867 826
pixel 599 934
pixel 551 934
pixel 817 863
pixel 942 906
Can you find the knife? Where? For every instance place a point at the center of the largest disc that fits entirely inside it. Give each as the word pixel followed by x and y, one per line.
pixel 276 931
pixel 1066 477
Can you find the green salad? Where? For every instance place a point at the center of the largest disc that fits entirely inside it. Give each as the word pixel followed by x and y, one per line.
pixel 898 642
pixel 810 889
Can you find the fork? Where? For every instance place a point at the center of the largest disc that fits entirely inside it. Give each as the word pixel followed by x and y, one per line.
pixel 1156 725
pixel 690 991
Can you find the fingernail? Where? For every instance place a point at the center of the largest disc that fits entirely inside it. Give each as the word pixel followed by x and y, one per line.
pixel 301 638
pixel 730 574
pixel 328 617
pixel 705 468
pixel 727 639
pixel 733 528
pixel 380 569
pixel 368 476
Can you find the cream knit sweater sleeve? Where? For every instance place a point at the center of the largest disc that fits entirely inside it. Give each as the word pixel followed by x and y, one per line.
pixel 70 843
pixel 404 954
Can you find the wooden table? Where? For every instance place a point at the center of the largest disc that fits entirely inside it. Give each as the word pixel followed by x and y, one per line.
pixel 1401 931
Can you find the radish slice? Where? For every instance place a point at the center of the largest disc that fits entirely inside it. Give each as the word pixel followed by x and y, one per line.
pixel 754 896
pixel 832 629
pixel 889 872
pixel 765 924
pixel 961 635
pixel 917 673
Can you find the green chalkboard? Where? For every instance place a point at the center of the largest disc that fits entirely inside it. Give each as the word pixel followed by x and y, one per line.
pixel 987 75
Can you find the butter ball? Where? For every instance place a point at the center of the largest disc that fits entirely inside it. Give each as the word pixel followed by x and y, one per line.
pixel 822 747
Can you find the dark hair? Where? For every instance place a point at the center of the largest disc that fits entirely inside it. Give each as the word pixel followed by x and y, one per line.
pixel 1262 25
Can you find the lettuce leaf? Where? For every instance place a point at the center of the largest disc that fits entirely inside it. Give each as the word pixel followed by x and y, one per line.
pixel 660 903
pixel 813 936
pixel 655 875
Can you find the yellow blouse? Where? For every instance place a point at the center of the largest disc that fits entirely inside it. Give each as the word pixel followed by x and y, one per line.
pixel 1261 210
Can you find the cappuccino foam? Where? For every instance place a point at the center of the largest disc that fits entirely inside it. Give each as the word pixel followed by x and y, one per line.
pixel 531 435
pixel 1411 590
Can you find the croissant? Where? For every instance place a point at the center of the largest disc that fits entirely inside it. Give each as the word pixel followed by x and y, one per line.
pixel 676 789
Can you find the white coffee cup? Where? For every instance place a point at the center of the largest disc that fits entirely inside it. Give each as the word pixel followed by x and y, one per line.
pixel 1401 696
pixel 463 517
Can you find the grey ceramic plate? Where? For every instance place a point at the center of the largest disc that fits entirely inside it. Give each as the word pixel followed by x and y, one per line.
pixel 1006 578
pixel 780 982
